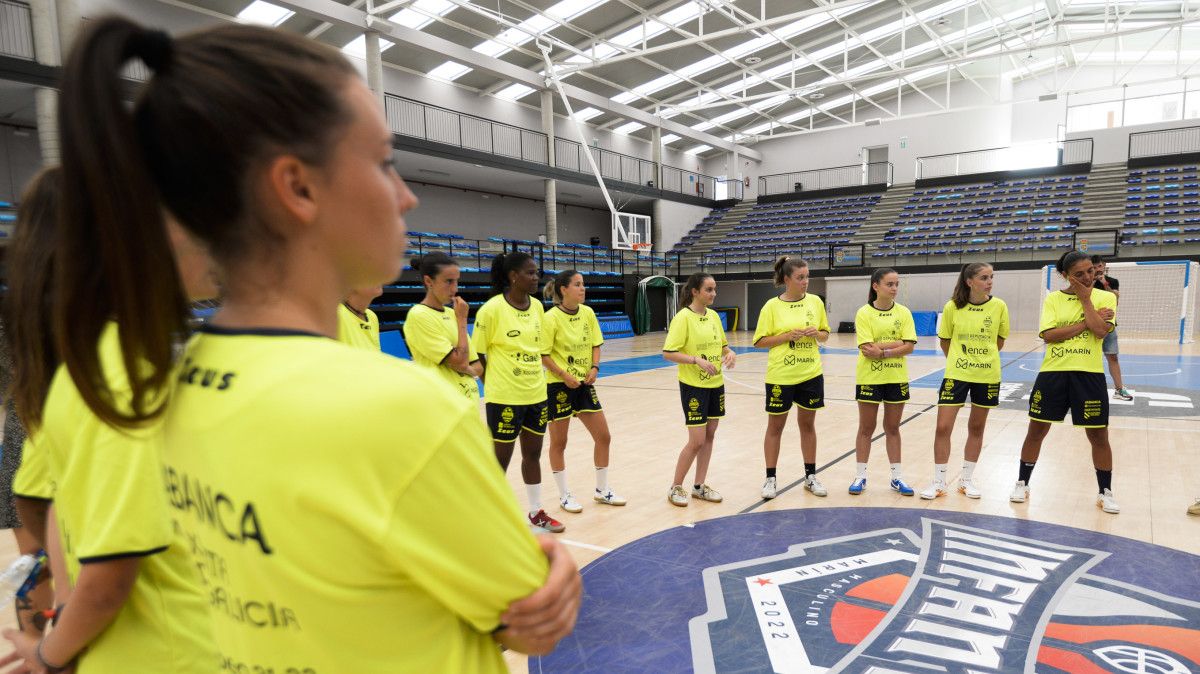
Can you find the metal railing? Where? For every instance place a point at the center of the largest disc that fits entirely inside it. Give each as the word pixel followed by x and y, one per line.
pixel 730 188
pixel 875 173
pixel 478 254
pixel 1164 142
pixel 688 182
pixel 407 117
pixel 1016 157
pixel 16 30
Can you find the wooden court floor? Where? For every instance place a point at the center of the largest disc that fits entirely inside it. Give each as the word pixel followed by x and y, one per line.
pixel 1156 472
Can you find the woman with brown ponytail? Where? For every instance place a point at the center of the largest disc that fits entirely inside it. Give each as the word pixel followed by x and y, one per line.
pixel 313 493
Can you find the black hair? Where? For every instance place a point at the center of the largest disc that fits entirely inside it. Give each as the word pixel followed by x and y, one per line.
pixel 1096 259
pixel 505 264
pixel 431 264
pixel 876 277
pixel 1070 259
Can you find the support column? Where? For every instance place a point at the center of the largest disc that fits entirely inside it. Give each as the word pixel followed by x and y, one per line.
pixel 46 51
pixel 734 174
pixel 656 223
pixel 547 102
pixel 656 154
pixel 69 23
pixel 375 66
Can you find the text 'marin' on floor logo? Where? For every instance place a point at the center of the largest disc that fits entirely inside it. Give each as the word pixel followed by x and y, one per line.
pixel 955 599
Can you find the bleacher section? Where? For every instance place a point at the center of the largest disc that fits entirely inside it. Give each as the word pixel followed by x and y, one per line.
pixel 805 228
pixel 698 231
pixel 1162 207
pixel 476 256
pixel 8 218
pixel 1033 214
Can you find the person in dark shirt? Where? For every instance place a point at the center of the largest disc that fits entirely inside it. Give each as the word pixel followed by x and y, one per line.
pixel 1105 282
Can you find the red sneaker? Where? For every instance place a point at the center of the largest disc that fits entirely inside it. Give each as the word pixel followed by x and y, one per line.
pixel 541 519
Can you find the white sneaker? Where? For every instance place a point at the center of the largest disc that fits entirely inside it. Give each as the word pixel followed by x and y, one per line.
pixel 608 498
pixel 1194 509
pixel 568 503
pixel 814 485
pixel 933 491
pixel 1020 493
pixel 678 496
pixel 1108 502
pixel 707 493
pixel 768 490
pixel 966 487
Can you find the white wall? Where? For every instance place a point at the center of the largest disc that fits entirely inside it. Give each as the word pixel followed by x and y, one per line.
pixel 1020 289
pixel 677 220
pixel 934 133
pixel 476 215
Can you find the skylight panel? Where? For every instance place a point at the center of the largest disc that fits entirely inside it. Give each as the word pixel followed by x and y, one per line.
pixel 514 92
pixel 698 149
pixel 626 97
pixel 358 46
pixel 628 128
pixel 569 9
pixel 449 71
pixel 587 113
pixel 682 13
pixel 701 66
pixel 414 19
pixel 669 138
pixel 264 14
pixel 491 48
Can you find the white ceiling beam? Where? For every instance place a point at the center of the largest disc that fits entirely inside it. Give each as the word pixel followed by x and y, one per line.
pixel 342 15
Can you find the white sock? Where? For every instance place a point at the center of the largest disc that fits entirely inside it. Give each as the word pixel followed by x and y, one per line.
pixel 560 479
pixel 534 492
pixel 862 470
pixel 896 471
pixel 602 479
pixel 939 473
pixel 968 470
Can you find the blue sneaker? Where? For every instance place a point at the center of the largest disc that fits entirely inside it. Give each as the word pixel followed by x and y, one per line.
pixel 898 485
pixel 858 485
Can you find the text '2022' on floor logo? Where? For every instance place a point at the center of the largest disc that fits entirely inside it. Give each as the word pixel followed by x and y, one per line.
pixel 955 598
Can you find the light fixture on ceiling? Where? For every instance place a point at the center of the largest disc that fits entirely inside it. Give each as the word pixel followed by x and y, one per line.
pixel 753 60
pixel 816 95
pixel 941 22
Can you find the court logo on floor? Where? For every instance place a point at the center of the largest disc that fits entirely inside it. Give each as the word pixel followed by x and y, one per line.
pixel 955 598
pixel 1148 401
pixel 885 590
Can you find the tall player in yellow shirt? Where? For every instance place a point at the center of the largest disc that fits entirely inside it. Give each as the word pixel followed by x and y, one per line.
pixel 572 359
pixel 358 326
pixel 696 343
pixel 886 335
pixel 793 326
pixel 1073 324
pixel 974 327
pixel 508 338
pixel 318 487
pixel 436 328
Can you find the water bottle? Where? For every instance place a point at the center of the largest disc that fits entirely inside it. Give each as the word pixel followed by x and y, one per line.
pixel 14 579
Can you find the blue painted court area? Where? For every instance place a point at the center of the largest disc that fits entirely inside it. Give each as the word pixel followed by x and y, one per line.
pixel 884 589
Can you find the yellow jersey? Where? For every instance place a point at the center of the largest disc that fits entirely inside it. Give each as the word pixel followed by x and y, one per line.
pixel 894 325
pixel 431 335
pixel 1083 352
pixel 32 479
pixel 317 486
pixel 702 336
pixel 512 340
pixel 355 331
pixel 109 498
pixel 972 331
pixel 569 338
pixel 797 360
